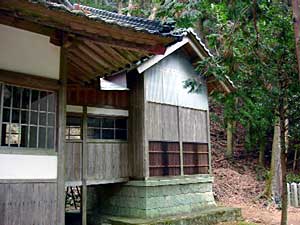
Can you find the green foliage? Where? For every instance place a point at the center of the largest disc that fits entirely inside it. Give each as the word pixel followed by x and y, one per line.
pixel 254 46
pixel 293 178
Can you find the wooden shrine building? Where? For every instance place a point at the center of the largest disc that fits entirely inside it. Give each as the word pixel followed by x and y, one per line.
pixel 93 103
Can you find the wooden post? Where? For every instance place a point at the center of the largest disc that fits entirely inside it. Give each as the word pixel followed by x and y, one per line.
pixel 84 167
pixel 62 102
pixel 180 141
pixel 208 142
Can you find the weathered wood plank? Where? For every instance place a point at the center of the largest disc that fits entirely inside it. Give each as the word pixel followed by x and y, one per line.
pixel 73 161
pixel 193 125
pixel 107 161
pixel 28 203
pixel 26 80
pixel 161 122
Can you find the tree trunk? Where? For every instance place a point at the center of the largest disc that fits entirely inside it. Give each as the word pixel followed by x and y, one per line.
pixel 276 164
pixel 262 147
pixel 296 20
pixel 229 131
pixel 295 158
pixel 283 144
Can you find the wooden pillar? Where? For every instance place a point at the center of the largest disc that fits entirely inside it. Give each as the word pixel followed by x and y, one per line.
pixel 62 102
pixel 180 141
pixel 208 142
pixel 84 167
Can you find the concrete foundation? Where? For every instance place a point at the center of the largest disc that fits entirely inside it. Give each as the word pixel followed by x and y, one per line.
pixel 152 198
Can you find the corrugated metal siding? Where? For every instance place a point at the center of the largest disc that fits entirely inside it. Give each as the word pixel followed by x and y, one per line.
pixel 164 83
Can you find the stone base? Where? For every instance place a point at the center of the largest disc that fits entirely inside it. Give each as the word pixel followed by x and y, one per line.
pixel 153 198
pixel 203 217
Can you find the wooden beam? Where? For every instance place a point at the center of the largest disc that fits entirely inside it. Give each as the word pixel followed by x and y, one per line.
pixel 94 57
pixel 111 51
pixel 25 25
pixel 81 64
pixel 89 61
pixel 101 51
pixel 83 75
pixel 26 80
pixel 62 103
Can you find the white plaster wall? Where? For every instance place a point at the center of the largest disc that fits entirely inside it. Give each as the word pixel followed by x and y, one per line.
pixel 27 52
pixel 164 83
pixel 14 166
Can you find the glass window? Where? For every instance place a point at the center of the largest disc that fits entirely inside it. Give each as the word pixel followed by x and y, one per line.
pixel 107 128
pixel 73 128
pixel 28 117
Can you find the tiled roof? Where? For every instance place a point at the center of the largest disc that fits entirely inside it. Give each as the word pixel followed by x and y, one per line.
pixel 137 23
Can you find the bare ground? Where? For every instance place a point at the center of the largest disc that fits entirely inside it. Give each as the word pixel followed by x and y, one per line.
pixel 236 185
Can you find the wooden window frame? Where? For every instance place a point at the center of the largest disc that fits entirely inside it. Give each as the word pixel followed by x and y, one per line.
pixel 8 149
pixel 114 118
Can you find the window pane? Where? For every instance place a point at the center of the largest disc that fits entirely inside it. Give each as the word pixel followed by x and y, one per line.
pixel 25 98
pixel 121 123
pixel 50 138
pixel 14 140
pixel 121 134
pixel 15 116
pixel 107 134
pixel 94 122
pixel 43 101
pixel 33 137
pixel 42 137
pixel 25 117
pixel 34 99
pixel 28 108
pixel 4 142
pixel 6 115
pixel 93 133
pixel 7 95
pixel 34 118
pixel 51 102
pixel 24 136
pixel 17 97
pixel 75 130
pixel 42 120
pixel 108 123
pixel 51 119
pixel 73 121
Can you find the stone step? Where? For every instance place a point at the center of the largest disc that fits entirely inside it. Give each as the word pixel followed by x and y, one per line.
pixel 204 217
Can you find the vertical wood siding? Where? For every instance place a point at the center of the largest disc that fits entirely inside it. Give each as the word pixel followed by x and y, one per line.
pixel 73 161
pixel 161 122
pixel 28 204
pixel 107 161
pixel 193 125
